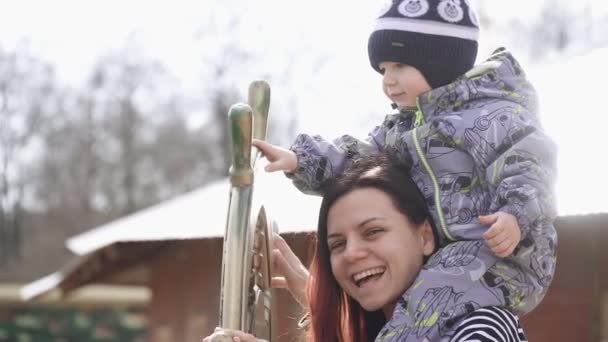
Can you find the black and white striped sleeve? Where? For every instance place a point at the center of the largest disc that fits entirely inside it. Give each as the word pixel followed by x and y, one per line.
pixel 491 324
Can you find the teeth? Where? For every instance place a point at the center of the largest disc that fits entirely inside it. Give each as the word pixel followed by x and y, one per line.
pixel 367 273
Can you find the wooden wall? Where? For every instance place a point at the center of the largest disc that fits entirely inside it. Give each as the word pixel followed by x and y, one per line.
pixel 573 309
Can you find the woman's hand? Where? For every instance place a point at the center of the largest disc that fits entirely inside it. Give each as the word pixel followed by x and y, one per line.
pixel 225 335
pixel 288 271
pixel 279 159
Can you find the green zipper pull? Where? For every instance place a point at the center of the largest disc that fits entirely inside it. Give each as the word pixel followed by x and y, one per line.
pixel 419 117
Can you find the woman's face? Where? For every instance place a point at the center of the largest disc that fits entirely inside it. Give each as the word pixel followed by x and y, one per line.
pixel 375 252
pixel 402 83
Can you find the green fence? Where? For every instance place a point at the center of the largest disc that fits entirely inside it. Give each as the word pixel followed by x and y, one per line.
pixel 55 324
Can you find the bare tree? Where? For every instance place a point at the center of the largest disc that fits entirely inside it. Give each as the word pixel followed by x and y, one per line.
pixel 69 169
pixel 123 143
pixel 26 92
pixel 553 31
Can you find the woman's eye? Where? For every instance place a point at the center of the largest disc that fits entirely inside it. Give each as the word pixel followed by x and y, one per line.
pixel 335 245
pixel 373 231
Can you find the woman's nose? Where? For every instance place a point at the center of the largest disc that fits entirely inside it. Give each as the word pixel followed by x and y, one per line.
pixel 355 250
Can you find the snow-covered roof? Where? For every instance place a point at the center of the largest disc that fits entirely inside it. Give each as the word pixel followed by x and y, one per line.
pixel 202 213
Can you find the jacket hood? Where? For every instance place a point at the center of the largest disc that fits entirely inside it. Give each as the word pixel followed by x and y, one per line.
pixel 499 78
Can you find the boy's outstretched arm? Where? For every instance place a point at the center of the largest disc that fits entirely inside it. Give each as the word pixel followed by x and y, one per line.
pixel 504 233
pixel 321 160
pixel 312 160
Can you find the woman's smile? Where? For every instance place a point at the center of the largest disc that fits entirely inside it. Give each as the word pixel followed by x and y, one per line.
pixel 362 277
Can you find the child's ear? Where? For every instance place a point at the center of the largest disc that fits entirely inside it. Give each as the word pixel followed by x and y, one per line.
pixel 427 238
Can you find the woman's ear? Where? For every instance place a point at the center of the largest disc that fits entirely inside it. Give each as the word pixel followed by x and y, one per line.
pixel 427 238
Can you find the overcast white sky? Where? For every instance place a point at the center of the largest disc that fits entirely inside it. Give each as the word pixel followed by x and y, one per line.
pixel 73 33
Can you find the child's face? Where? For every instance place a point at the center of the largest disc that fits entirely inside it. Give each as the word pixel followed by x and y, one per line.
pixel 402 83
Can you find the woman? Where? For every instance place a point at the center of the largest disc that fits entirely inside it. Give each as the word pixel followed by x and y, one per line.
pixel 373 240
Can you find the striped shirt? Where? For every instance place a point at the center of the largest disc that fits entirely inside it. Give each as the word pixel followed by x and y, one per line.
pixel 491 324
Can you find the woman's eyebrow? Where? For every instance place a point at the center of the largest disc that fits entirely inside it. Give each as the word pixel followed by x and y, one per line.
pixel 334 235
pixel 375 218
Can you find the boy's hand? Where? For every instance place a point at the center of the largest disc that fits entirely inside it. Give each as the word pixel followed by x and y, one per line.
pixel 504 233
pixel 279 159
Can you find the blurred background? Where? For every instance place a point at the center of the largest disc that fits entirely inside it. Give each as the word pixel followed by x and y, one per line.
pixel 113 115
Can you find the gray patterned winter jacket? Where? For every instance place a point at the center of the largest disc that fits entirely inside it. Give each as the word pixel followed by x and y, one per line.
pixel 476 146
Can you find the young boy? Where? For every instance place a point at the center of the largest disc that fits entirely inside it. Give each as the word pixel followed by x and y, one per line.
pixel 478 154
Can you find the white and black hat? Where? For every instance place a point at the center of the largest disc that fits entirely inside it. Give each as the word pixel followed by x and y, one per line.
pixel 437 37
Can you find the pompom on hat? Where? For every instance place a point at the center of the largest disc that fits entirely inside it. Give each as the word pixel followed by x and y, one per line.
pixel 437 37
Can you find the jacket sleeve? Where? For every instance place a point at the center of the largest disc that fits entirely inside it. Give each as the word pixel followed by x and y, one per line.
pixel 321 160
pixel 519 160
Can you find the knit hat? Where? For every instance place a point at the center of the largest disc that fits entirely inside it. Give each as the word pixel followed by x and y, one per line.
pixel 437 37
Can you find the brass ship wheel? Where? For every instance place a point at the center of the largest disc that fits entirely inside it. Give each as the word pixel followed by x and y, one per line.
pixel 246 293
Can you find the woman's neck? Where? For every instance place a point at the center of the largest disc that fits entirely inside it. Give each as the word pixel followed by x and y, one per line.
pixel 388 310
